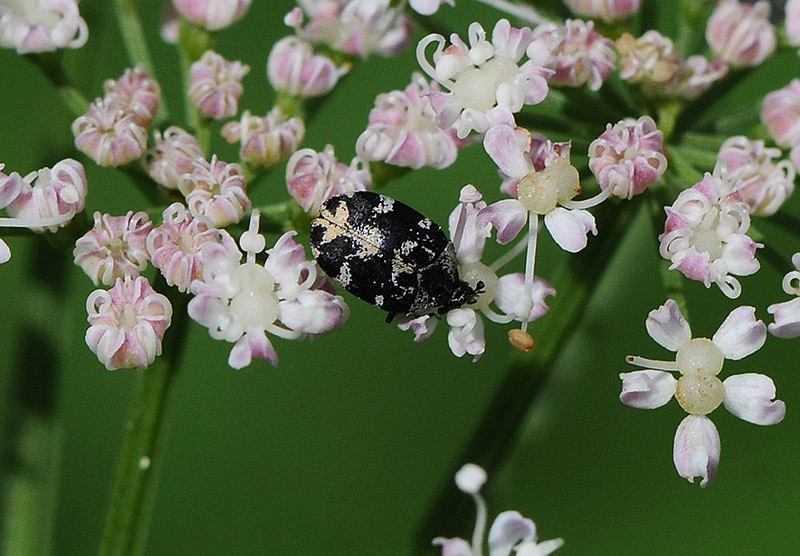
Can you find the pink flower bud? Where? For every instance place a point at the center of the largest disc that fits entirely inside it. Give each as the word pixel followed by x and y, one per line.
pixel 127 323
pixel 607 10
pixel 173 155
pixel 135 93
pixel 312 177
pixel 180 246
pixel 780 112
pixel 741 34
pixel 265 141
pixel 212 14
pixel 108 136
pixel 293 68
pixel 628 157
pixel 114 248
pixel 30 26
pixel 792 22
pixel 215 85
pixel 217 190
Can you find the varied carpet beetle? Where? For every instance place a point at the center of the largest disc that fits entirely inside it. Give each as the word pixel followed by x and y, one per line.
pixel 388 254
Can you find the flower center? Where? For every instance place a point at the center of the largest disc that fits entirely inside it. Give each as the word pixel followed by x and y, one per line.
pixel 540 192
pixel 699 391
pixel 128 318
pixel 705 237
pixel 472 273
pixel 255 303
pixel 476 88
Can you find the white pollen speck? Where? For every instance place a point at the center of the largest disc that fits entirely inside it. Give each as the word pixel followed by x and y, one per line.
pixel 144 463
pixel 344 275
pixel 385 206
pixel 425 224
pixel 378 300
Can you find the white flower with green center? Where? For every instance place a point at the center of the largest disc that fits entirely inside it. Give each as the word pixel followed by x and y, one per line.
pixel 698 389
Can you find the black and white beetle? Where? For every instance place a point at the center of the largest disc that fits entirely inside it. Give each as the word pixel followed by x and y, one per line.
pixel 388 254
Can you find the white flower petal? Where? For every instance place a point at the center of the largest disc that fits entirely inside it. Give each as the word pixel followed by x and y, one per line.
pixel 507 147
pixel 751 396
pixel 570 227
pixel 667 326
pixel 787 318
pixel 453 547
pixel 543 548
pixel 509 528
pixel 740 334
pixel 696 449
pixel 647 389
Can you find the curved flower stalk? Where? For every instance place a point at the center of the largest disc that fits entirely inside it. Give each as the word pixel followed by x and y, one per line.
pixel 510 531
pixel 402 130
pixel 484 81
pixel 242 302
pixel 699 391
pixel 42 25
pixel 705 238
pixel 787 314
pixel 519 297
pixel 355 27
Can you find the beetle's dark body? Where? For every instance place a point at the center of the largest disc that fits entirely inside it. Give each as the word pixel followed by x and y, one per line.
pixel 388 254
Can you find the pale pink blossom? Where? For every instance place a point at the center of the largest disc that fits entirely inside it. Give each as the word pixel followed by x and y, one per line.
pixel 314 177
pixel 484 83
pixel 243 302
pixel 135 93
pixel 698 390
pixel 114 248
pixel 180 245
pixel 694 76
pixel 577 53
pixel 787 314
pixel 780 112
pixel 215 85
pixel 548 192
pixel 509 532
pixel 108 135
pixel 41 25
pixel 748 174
pixel 607 10
pixel 402 130
pixel 741 34
pixel 356 27
pixel 651 58
pixel 127 323
pixel 212 14
pixel 174 154
pixel 705 237
pixel 10 188
pixel 216 189
pixel 628 157
pixel 50 197
pixel 293 68
pixel 265 141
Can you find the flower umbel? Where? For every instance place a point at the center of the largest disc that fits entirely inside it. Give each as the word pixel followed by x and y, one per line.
pixel 698 390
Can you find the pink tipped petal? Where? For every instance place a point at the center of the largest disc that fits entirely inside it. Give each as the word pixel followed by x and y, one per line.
pixel 740 334
pixel 787 319
pixel 509 529
pixel 422 327
pixel 508 147
pixel 751 396
pixel 696 449
pixel 466 333
pixel 739 254
pixel 507 216
pixel 252 344
pixel 647 389
pixel 569 228
pixel 667 326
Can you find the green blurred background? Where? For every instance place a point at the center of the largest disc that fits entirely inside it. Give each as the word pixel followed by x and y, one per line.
pixel 349 446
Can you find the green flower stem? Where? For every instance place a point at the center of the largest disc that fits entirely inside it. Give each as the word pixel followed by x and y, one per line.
pixel 670 279
pixel 700 159
pixel 685 171
pixel 127 12
pixel 128 517
pixel 50 65
pixel 496 436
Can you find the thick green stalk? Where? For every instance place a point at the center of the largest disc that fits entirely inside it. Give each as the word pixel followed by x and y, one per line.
pixel 129 514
